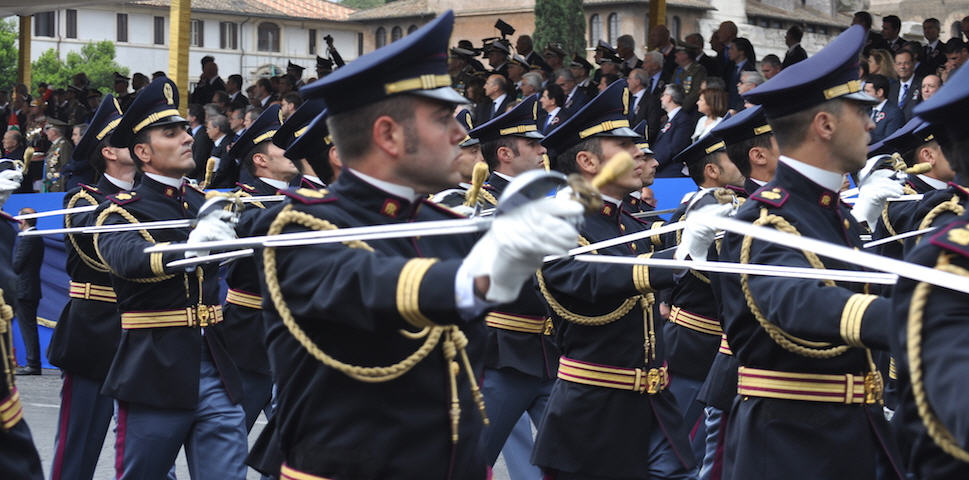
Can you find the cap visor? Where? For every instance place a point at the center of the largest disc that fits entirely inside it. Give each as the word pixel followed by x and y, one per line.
pixel 444 94
pixel 171 120
pixel 469 143
pixel 620 132
pixel 532 134
pixel 861 97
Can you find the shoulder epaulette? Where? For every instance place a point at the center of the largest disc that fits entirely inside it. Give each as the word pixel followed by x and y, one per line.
pixel 91 188
pixel 8 217
pixel 442 208
pixel 959 190
pixel 123 198
pixel 955 238
pixel 192 186
pixel 308 195
pixel 739 191
pixel 774 196
pixel 246 188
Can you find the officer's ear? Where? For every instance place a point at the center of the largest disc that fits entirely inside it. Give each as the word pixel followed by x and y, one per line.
pixel 143 152
pixel 389 136
pixel 587 162
pixel 757 156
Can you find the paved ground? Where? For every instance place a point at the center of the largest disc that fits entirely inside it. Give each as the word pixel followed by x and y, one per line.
pixel 41 400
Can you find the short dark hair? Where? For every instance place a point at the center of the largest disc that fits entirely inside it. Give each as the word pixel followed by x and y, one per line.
pixel 879 82
pixel 696 168
pixel 97 159
pixel 954 45
pixel 772 59
pixel 266 84
pixel 236 79
pixel 795 32
pixel 739 153
pixel 932 20
pixel 489 150
pixel 893 20
pixel 294 98
pixel 789 130
pixel 864 19
pixel 351 131
pixel 197 111
pixel 956 151
pixel 565 161
pixel 247 161
pixel 610 77
pixel 220 96
pixel 555 92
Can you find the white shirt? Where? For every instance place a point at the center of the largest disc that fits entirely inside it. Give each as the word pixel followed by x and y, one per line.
pixel 792 47
pixel 279 184
pixel 932 45
pixel 219 140
pixel 502 175
pixel 902 90
pixel 314 179
pixel 120 183
pixel 878 108
pixel 825 178
pixel 394 189
pixel 496 103
pixel 171 182
pixel 933 182
pixel 637 97
pixel 702 129
pixel 758 182
pixel 672 113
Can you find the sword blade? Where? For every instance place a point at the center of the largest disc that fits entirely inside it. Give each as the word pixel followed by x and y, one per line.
pixel 653 213
pixel 900 236
pixel 123 227
pixel 632 237
pixel 60 211
pixel 845 254
pixel 218 257
pixel 749 268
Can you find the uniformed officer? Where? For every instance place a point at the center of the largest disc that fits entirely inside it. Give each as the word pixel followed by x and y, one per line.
pixel 306 142
pixel 928 332
pixel 86 337
pixel 470 156
pixel 172 378
pixel 57 155
pixel 633 203
pixel 804 345
pixel 379 384
pixel 521 358
pixel 610 414
pixel 750 145
pixel 18 456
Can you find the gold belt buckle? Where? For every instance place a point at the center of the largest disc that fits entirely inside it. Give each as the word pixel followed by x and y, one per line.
pixel 87 291
pixel 548 326
pixel 653 380
pixel 873 387
pixel 203 315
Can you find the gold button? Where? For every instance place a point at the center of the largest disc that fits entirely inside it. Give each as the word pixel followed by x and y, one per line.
pixel 185 205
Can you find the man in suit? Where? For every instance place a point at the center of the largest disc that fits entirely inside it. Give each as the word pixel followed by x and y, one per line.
pixel 233 86
pixel 496 89
pixel 722 43
pixel 675 133
pixel 202 147
pixel 933 53
pixel 905 92
pixel 713 68
pixel 551 113
pixel 226 169
pixel 891 27
pixel 575 98
pixel 795 52
pixel 875 39
pixel 209 82
pixel 650 108
pixel 27 258
pixel 626 48
pixel 885 114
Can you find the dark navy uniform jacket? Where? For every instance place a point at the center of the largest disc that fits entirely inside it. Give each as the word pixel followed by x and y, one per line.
pixel 809 310
pixel 529 353
pixel 159 367
pixel 351 303
pixel 942 348
pixel 598 430
pixel 88 331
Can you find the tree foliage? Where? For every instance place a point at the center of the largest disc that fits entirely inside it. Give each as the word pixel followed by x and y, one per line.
pixel 8 53
pixel 560 21
pixel 96 59
pixel 362 4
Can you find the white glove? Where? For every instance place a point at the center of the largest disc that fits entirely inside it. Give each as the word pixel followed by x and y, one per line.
pixel 463 210
pixel 514 247
pixel 9 181
pixel 698 237
pixel 872 195
pixel 218 225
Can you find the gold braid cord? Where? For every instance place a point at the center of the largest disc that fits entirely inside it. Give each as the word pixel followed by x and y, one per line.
pixel 154 258
pixel 6 340
pixel 950 205
pixel 483 196
pixel 939 433
pixel 589 321
pixel 886 220
pixel 785 340
pixel 453 345
pixel 91 262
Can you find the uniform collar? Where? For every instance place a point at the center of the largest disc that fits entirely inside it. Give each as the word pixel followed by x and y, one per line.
pixel 388 199
pixel 272 182
pixel 171 182
pixel 498 182
pixel 824 178
pixel 120 184
pixel 932 182
pixel 610 206
pixel 401 191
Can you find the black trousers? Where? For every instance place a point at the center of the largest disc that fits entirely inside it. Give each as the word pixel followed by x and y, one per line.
pixel 27 319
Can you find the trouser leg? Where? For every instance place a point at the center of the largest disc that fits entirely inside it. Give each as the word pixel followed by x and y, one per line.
pixel 27 320
pixel 147 440
pixel 83 421
pixel 507 395
pixel 216 445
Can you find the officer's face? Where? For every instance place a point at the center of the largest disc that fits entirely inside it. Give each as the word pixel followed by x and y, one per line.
pixel 529 156
pixel 429 163
pixel 633 180
pixel 729 173
pixel 851 137
pixel 468 157
pixel 168 151
pixel 278 166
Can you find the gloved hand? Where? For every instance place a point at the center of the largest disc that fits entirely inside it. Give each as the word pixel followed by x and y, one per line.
pixel 218 225
pixel 9 181
pixel 514 247
pixel 872 195
pixel 698 237
pixel 463 210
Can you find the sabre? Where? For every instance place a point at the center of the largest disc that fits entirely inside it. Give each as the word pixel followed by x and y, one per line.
pixel 749 268
pixel 631 237
pixel 900 236
pixel 838 252
pixel 653 213
pixel 525 188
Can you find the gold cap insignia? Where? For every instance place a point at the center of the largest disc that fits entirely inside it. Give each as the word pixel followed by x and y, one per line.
pixel 169 94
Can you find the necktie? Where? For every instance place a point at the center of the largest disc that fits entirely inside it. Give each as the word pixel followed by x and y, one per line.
pixel 652 84
pixel 904 97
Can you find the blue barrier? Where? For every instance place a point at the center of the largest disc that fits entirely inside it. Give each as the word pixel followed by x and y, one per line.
pixel 54 279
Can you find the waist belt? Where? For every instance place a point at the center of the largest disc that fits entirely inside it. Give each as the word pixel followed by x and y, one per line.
pixel 519 323
pixel 289 473
pixel 199 316
pixel 244 299
pixel 810 387
pixel 724 346
pixel 699 323
pixel 89 291
pixel 10 410
pixel 651 381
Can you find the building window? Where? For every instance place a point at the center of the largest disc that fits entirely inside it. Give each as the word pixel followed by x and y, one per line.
pixel 122 27
pixel 71 23
pixel 411 29
pixel 44 24
pixel 159 30
pixel 380 38
pixel 196 33
pixel 228 36
pixel 675 31
pixel 595 30
pixel 613 28
pixel 268 34
pixel 312 47
pixel 395 34
pixel 359 44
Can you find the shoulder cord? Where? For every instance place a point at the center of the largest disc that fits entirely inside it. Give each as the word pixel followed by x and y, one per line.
pixel 785 340
pixel 241 194
pixel 91 262
pixel 937 431
pixel 951 205
pixel 589 321
pixel 453 345
pixel 886 220
pixel 144 233
pixel 6 340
